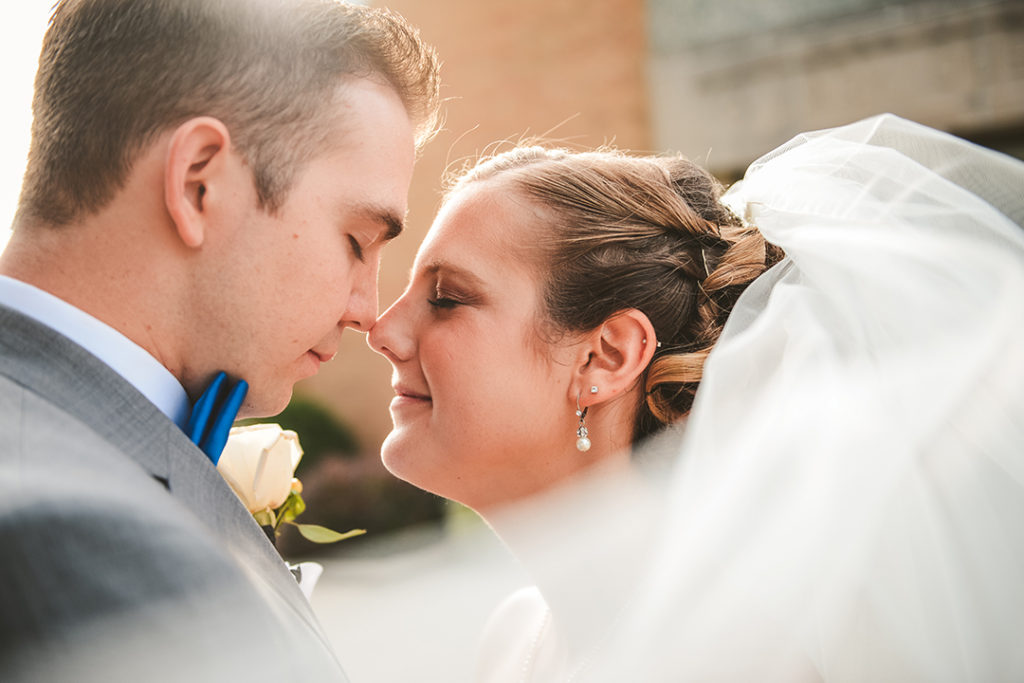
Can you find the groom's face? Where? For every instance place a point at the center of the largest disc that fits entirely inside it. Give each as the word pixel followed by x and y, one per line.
pixel 291 282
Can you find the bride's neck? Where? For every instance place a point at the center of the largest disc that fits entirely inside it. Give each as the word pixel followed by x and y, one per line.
pixel 583 544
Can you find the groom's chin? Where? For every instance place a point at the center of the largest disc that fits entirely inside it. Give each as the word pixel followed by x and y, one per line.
pixel 261 402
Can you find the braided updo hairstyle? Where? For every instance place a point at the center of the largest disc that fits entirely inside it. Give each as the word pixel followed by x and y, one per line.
pixel 637 232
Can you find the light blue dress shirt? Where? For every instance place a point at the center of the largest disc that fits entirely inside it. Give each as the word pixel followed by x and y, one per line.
pixel 124 356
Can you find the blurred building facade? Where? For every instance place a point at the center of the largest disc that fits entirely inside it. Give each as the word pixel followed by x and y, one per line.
pixel 731 79
pixel 721 81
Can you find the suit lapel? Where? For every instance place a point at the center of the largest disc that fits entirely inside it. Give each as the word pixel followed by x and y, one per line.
pixel 67 375
pixel 196 483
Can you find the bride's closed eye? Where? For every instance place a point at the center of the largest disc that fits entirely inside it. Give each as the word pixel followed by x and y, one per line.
pixel 449 290
pixel 443 302
pixel 445 299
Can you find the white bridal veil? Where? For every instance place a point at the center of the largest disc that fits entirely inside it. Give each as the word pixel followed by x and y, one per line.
pixel 846 501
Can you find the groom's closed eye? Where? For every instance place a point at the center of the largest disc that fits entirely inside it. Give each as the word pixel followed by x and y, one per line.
pixel 356 248
pixel 389 224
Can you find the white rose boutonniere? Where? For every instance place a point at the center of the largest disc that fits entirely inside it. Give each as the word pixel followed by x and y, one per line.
pixel 259 464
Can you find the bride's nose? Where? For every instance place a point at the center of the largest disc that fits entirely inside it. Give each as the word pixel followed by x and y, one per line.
pixel 391 334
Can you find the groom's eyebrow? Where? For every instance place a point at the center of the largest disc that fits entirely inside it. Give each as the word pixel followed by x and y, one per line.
pixel 391 222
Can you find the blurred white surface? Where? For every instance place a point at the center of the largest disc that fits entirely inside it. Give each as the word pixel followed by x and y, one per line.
pixel 412 606
pixel 21 36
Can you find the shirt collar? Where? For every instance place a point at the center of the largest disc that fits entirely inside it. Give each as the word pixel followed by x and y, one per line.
pixel 136 365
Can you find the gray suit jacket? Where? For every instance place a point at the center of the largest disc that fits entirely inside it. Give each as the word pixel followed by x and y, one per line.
pixel 123 553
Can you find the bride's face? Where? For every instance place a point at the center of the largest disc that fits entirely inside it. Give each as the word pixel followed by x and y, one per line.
pixel 483 412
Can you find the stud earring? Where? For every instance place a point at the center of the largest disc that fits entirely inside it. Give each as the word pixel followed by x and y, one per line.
pixel 593 390
pixel 582 441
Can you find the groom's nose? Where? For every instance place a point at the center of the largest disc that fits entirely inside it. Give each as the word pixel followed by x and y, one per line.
pixel 361 311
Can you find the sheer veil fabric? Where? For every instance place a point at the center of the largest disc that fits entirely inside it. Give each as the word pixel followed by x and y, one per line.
pixel 846 501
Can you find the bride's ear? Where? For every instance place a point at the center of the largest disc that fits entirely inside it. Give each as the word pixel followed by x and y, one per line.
pixel 617 354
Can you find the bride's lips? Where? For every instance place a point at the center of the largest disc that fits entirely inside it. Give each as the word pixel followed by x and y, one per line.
pixel 407 398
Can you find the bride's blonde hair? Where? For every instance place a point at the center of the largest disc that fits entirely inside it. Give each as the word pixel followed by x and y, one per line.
pixel 637 232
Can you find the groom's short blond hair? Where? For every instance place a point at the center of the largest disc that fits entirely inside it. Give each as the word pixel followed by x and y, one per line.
pixel 114 74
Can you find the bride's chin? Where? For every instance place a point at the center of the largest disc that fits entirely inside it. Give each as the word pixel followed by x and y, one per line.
pixel 395 454
pixel 412 465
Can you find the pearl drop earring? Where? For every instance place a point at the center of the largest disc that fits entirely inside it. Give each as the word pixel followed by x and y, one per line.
pixel 582 440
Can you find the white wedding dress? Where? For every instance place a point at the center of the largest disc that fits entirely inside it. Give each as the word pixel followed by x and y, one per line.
pixel 846 501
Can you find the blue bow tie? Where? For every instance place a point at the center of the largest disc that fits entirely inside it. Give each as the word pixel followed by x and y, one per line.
pixel 213 415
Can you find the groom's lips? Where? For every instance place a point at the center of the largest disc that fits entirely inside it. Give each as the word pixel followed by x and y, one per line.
pixel 314 360
pixel 324 356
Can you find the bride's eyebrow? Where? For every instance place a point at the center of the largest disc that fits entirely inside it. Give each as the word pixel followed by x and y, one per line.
pixel 439 268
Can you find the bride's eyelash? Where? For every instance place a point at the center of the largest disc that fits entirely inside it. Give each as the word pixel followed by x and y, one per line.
pixel 443 302
pixel 444 299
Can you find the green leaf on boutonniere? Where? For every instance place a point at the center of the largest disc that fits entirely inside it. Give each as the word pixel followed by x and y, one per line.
pixel 266 518
pixel 321 534
pixel 293 507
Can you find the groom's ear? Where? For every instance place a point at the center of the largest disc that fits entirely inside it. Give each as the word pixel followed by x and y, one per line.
pixel 617 354
pixel 194 175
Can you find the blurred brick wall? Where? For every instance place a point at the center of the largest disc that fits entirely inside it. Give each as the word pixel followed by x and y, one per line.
pixel 571 70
